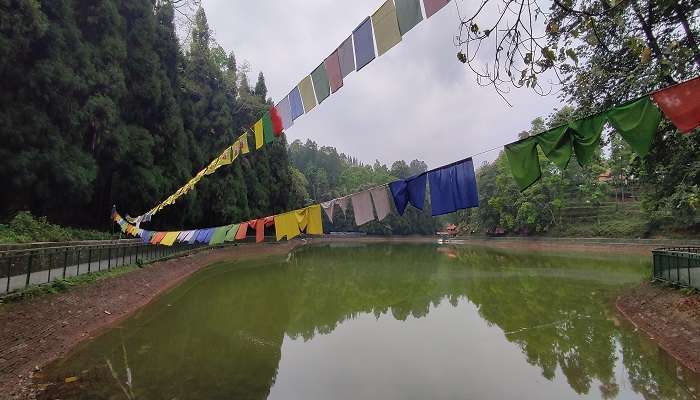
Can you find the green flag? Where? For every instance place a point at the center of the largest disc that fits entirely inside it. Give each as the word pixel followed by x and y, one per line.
pixel 218 236
pixel 556 145
pixel 637 123
pixel 586 133
pixel 524 162
pixel 231 234
pixel 268 131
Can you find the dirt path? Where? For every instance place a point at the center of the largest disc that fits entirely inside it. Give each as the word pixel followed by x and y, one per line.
pixel 668 317
pixel 37 331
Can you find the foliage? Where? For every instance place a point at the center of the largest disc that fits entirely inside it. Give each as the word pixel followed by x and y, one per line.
pixel 102 105
pixel 26 228
pixel 328 174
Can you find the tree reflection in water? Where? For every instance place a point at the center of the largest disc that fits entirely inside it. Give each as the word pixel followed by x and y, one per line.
pixel 220 334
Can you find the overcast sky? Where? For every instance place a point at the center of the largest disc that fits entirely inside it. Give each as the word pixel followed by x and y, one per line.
pixel 416 101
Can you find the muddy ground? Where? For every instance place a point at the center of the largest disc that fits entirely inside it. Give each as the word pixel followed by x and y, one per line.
pixel 669 317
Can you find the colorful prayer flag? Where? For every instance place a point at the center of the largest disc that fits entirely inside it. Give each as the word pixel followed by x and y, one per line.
pixel 346 56
pixel 681 104
pixel 386 27
pixel 321 85
pixel 307 94
pixel 453 188
pixel 335 77
pixel 284 108
pixel 363 38
pixel 277 125
pixel 409 14
pixel 295 103
pixel 637 123
pixel 524 162
pixel 258 129
pixel 433 6
pixel 268 130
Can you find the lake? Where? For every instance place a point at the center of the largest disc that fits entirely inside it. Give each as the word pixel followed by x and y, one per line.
pixel 383 321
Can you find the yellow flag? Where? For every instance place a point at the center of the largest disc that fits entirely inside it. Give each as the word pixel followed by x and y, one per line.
pixel 243 139
pixel 258 128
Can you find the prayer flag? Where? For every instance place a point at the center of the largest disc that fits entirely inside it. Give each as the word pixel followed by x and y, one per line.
pixel 231 233
pixel 295 104
pixel 169 238
pixel 524 162
pixel 321 85
pixel 328 207
pixel 307 94
pixel 194 236
pixel 363 38
pixel 556 145
pixel 335 77
pixel 637 123
pixel 268 130
pixel 242 231
pixel 277 125
pixel 433 6
pixel 362 207
pixel 453 188
pixel 586 136
pixel 292 223
pixel 346 56
pixel 158 237
pixel 380 198
pixel 386 27
pixel 258 129
pixel 409 190
pixel 681 104
pixel 409 14
pixel 218 235
pixel 284 108
pixel 286 225
pixel 343 203
pixel 243 142
pixel 146 236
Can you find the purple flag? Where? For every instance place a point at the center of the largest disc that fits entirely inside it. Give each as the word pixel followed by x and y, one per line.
pixel 346 56
pixel 363 37
pixel 335 77
pixel 433 6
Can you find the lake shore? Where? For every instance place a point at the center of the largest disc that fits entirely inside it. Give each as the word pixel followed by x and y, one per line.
pixel 38 331
pixel 668 317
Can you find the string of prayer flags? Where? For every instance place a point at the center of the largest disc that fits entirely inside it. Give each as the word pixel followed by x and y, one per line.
pixel 453 188
pixel 290 224
pixel 363 40
pixel 386 27
pixel 409 14
pixel 321 85
pixel 335 76
pixel 307 94
pixel 681 104
pixel 362 207
pixel 295 103
pixel 433 6
pixel 346 57
pixel 380 198
pixel 636 121
pixel 409 190
pixel 276 119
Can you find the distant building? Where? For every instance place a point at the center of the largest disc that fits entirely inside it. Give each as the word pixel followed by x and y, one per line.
pixel 605 176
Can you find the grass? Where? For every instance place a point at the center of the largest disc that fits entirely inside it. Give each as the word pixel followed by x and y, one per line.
pixel 25 228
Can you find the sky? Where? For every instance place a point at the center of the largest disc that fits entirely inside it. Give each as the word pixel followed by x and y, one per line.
pixel 417 101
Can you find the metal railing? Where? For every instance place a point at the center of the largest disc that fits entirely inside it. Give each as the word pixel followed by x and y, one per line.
pixel 30 266
pixel 677 265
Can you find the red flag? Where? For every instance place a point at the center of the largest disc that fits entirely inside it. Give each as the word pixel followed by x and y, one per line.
pixel 681 104
pixel 276 121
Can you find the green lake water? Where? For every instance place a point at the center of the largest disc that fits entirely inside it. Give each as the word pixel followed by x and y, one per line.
pixel 383 321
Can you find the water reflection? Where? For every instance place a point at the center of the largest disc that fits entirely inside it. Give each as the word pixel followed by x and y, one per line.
pixel 398 321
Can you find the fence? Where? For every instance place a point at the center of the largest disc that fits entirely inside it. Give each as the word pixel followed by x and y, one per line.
pixel 677 265
pixel 20 268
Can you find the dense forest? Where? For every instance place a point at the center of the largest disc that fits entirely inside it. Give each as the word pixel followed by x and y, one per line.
pixel 102 104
